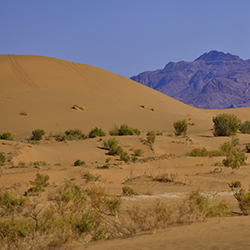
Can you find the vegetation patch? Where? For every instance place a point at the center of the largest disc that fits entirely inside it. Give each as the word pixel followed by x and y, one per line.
pixel 37 134
pixel 151 135
pixel 96 132
pixel 243 198
pixel 126 190
pixel 245 127
pixel 78 162
pixel 180 127
pixel 40 182
pixel 226 124
pixel 124 130
pixel 6 136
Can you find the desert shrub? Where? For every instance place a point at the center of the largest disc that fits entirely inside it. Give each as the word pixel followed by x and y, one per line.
pixel 235 184
pixel 124 130
pixel 180 127
pixel 125 156
pixel 235 141
pixel 2 159
pixel 226 124
pixel 165 177
pixel 245 127
pixel 78 162
pixel 159 133
pixel 10 203
pixel 138 152
pixel 198 152
pixel 234 157
pixel 96 132
pixel 38 134
pixel 23 113
pixel 134 158
pixel 108 144
pixel 91 177
pixel 74 134
pixel 243 198
pixel 126 190
pixel 38 163
pixel 108 159
pixel 6 136
pixel 151 135
pixel 40 182
pixel 113 147
pixel 208 208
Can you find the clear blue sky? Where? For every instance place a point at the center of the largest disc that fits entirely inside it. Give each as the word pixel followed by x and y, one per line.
pixel 125 37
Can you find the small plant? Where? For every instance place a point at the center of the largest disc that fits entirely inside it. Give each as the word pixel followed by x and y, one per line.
pixel 124 156
pixel 38 134
pixel 151 137
pixel 134 158
pixel 245 127
pixel 90 177
pixel 216 153
pixel 6 136
pixel 197 152
pixel 180 127
pixel 74 134
pixel 108 160
pixel 159 133
pixel 126 190
pixel 2 159
pixel 96 132
pixel 243 198
pixel 78 162
pixel 124 130
pixel 40 182
pixel 226 124
pixel 235 184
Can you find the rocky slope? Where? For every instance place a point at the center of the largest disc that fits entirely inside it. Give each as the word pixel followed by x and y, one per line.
pixel 214 80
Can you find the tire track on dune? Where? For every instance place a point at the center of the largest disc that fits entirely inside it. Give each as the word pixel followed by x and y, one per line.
pixel 73 67
pixel 21 74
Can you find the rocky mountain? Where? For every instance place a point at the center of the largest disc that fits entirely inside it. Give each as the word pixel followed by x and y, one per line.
pixel 214 80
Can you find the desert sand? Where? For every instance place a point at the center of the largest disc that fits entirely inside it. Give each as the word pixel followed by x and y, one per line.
pixel 39 92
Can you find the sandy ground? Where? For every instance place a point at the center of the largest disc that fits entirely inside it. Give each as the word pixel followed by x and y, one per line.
pixel 47 88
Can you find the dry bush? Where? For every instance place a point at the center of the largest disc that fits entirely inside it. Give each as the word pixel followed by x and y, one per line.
pixel 243 198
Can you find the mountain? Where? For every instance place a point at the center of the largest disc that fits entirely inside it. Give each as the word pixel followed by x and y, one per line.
pixel 214 80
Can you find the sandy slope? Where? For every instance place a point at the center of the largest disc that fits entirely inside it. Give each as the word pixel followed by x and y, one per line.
pixel 47 88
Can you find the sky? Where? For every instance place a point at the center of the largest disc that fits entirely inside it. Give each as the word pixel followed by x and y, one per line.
pixel 125 37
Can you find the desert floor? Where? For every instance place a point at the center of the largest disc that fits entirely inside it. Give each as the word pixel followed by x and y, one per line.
pixel 47 88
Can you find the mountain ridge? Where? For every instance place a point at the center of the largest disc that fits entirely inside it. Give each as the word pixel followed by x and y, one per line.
pixel 210 73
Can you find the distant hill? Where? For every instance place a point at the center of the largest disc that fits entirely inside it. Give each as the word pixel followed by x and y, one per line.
pixel 214 80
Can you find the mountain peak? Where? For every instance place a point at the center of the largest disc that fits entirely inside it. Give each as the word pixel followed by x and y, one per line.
pixel 215 55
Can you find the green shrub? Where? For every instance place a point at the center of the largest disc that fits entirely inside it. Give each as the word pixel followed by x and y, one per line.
pixel 124 156
pixel 113 147
pixel 38 134
pixel 11 203
pixel 245 127
pixel 180 127
pixel 136 131
pixel 208 208
pixel 124 130
pixel 151 135
pixel 108 144
pixel 243 198
pixel 96 132
pixel 226 125
pixel 134 158
pixel 2 159
pixel 6 136
pixel 40 182
pixel 197 152
pixel 235 159
pixel 78 162
pixel 128 191
pixel 74 134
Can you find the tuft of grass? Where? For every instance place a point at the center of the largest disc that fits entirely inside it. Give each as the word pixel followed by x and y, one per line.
pixel 2 159
pixel 138 152
pixel 198 152
pixel 96 132
pixel 39 183
pixel 37 134
pixel 235 184
pixel 6 136
pixel 124 130
pixel 243 198
pixel 151 135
